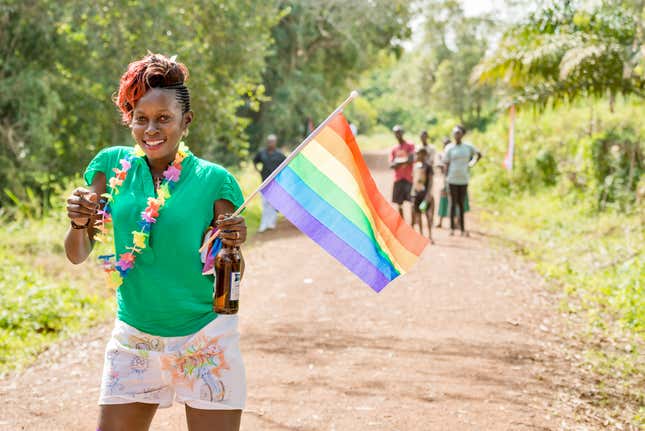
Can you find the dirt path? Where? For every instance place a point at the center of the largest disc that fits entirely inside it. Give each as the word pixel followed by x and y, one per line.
pixel 460 343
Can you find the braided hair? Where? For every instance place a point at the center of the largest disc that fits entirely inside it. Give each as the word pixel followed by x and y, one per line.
pixel 152 71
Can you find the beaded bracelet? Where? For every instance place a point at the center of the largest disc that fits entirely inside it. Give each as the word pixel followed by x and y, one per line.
pixel 78 226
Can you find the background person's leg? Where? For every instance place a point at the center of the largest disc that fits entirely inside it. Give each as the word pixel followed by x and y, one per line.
pixel 211 420
pixel 430 216
pixel 461 196
pixel 465 203
pixel 272 216
pixel 453 189
pixel 414 219
pixel 264 220
pixel 126 417
pixel 397 197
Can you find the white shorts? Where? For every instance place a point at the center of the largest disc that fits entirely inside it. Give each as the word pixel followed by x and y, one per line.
pixel 203 370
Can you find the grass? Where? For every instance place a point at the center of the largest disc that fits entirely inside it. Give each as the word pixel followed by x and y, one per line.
pixel 249 180
pixel 598 260
pixel 597 257
pixel 43 297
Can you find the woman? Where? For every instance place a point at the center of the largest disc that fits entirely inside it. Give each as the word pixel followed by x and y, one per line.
pixel 444 203
pixel 459 158
pixel 167 342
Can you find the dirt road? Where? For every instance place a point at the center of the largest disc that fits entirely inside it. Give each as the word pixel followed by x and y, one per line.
pixel 460 343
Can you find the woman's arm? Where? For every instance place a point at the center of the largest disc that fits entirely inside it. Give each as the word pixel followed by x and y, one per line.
pixel 473 161
pixel 81 209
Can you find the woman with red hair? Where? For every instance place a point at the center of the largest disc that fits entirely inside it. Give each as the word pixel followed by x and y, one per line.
pixel 157 199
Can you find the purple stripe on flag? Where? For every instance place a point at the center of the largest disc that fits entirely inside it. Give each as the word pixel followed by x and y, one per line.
pixel 327 239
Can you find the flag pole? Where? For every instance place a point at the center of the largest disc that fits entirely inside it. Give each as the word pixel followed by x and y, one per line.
pixel 295 152
pixel 285 162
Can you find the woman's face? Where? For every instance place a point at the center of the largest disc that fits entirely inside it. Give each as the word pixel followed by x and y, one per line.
pixel 457 134
pixel 158 124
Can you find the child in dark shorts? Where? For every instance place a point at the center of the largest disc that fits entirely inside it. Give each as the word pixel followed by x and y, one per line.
pixel 422 199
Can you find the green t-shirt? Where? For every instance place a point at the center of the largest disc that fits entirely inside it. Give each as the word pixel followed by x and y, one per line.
pixel 165 294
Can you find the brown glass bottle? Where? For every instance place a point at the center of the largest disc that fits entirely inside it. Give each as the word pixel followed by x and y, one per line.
pixel 228 274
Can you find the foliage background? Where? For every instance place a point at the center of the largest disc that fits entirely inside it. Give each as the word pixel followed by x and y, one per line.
pixel 574 203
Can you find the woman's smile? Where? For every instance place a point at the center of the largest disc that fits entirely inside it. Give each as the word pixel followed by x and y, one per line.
pixel 153 144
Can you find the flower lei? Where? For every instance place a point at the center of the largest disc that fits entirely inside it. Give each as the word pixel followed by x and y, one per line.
pixel 116 270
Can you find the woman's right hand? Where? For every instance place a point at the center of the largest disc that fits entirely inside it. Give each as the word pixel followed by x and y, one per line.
pixel 82 205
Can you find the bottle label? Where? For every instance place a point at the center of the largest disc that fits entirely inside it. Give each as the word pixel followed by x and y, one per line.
pixel 235 286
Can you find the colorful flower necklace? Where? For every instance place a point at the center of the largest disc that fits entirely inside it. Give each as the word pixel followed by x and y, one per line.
pixel 116 270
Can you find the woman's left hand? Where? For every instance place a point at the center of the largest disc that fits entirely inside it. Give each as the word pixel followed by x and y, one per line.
pixel 232 229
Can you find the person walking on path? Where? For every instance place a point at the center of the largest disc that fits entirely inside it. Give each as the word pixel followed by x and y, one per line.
pixel 401 160
pixel 459 158
pixel 269 158
pixel 157 201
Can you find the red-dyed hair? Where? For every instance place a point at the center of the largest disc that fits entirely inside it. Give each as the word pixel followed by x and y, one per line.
pixel 152 71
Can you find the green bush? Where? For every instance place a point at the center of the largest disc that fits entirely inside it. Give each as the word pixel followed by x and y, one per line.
pixel 579 149
pixel 37 309
pixel 617 162
pixel 546 167
pixel 361 113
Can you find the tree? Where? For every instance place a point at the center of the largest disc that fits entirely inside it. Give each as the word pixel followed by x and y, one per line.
pixel 453 45
pixel 566 51
pixel 319 48
pixel 60 65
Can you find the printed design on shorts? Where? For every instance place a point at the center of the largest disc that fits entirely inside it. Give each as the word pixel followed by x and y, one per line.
pixel 139 364
pixel 111 355
pixel 143 342
pixel 113 383
pixel 203 360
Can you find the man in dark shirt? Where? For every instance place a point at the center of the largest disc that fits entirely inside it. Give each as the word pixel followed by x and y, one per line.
pixel 269 158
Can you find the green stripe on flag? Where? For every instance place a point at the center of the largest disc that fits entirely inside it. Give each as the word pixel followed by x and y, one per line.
pixel 336 197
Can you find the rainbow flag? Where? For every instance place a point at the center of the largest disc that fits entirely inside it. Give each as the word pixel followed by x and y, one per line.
pixel 327 192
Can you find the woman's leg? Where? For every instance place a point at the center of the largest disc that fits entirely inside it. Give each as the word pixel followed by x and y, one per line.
pixel 461 195
pixel 210 420
pixel 126 417
pixel 454 192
